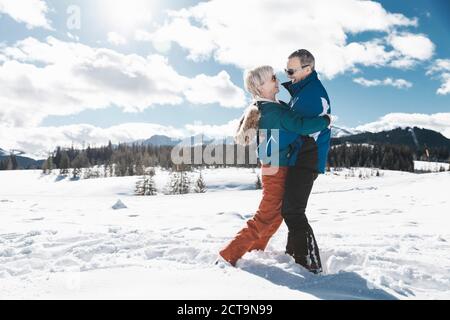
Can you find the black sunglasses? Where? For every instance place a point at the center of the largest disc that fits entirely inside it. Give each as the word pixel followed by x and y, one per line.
pixel 290 72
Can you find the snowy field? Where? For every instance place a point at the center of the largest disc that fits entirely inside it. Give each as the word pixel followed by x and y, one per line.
pixel 384 237
pixel 430 166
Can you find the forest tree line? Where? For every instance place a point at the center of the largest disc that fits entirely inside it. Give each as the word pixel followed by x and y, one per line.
pixel 132 159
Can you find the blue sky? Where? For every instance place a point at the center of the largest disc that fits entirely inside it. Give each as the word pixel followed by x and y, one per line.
pixel 427 23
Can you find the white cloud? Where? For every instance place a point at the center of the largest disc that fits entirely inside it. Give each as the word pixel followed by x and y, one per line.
pixel 439 122
pixel 440 65
pixel 397 83
pixel 31 12
pixel 214 131
pixel 116 39
pixel 161 45
pixel 414 46
pixel 445 87
pixel 206 89
pixel 442 68
pixel 41 140
pixel 63 78
pixel 403 63
pixel 267 31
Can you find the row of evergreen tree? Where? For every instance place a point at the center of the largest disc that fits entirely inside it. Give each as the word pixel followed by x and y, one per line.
pixel 9 163
pixel 179 183
pixel 390 157
pixel 132 159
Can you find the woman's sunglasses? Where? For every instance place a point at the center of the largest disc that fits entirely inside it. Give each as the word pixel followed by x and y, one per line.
pixel 290 72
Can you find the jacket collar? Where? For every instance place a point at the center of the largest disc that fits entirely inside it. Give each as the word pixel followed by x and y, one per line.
pixel 294 88
pixel 261 101
pixel 266 100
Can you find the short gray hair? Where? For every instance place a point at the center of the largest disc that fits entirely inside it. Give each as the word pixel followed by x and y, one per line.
pixel 306 58
pixel 255 78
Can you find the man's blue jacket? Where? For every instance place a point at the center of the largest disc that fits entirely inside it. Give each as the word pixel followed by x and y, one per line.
pixel 310 99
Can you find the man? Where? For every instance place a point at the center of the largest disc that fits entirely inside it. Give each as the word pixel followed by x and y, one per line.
pixel 307 159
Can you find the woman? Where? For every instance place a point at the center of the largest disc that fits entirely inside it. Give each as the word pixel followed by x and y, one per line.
pixel 268 114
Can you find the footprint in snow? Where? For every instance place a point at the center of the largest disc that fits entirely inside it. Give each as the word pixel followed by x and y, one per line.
pixel 233 214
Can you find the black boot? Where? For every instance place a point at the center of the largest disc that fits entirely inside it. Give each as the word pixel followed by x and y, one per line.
pixel 302 246
pixel 314 263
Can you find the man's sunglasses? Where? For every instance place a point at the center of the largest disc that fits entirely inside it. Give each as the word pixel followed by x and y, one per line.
pixel 290 72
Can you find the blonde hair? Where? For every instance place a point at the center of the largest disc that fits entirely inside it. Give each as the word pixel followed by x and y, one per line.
pixel 255 78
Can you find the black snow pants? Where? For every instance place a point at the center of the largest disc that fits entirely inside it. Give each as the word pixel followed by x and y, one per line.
pixel 301 243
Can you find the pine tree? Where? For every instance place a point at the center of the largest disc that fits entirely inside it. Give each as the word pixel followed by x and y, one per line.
pixel 139 190
pixel 80 161
pixel 105 171
pixel 179 183
pixel 2 165
pixel 64 163
pixel 200 186
pixel 87 173
pixel 11 163
pixel 145 186
pixel 76 172
pixel 46 166
pixel 149 186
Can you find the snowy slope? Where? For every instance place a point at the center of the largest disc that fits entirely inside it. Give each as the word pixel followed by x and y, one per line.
pixel 428 166
pixel 380 238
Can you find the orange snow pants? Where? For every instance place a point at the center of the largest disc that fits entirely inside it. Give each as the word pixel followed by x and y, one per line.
pixel 258 231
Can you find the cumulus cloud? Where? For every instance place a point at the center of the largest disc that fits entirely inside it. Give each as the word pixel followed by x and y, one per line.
pixel 267 31
pixel 31 12
pixel 54 77
pixel 116 39
pixel 214 131
pixel 441 67
pixel 413 46
pixel 41 140
pixel 397 83
pixel 439 122
pixel 217 86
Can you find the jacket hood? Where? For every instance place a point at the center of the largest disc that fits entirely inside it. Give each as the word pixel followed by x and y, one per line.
pixel 248 126
pixel 293 88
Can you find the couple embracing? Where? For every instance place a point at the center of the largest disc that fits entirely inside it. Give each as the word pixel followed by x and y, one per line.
pixel 293 141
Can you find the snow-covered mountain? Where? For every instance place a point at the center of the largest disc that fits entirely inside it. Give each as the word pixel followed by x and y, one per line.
pixel 431 138
pixel 415 138
pixel 3 152
pixel 19 153
pixel 161 140
pixel 338 132
pixel 24 160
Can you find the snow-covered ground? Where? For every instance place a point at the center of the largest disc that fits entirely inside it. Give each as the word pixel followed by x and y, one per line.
pixel 382 237
pixel 428 166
